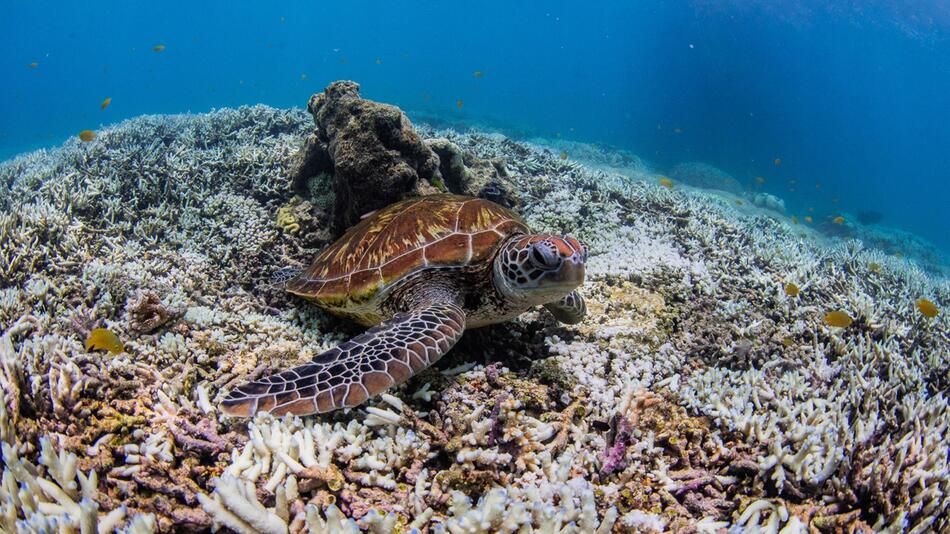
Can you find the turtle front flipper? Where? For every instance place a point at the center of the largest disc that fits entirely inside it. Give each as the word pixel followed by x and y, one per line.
pixel 363 367
pixel 569 310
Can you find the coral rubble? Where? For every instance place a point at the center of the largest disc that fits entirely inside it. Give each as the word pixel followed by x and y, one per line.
pixel 699 396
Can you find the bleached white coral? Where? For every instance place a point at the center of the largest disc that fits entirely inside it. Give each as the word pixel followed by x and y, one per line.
pixel 529 509
pixel 234 505
pixel 55 495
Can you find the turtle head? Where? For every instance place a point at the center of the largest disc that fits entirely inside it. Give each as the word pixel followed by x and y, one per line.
pixel 541 268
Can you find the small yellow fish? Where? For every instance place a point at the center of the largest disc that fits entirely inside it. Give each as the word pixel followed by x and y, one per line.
pixel 808 218
pixel 677 130
pixel 875 267
pixel 282 20
pixel 303 76
pixel 105 103
pixel 739 202
pixel 659 126
pixel 810 209
pixel 794 219
pixel 666 182
pixel 87 135
pixel 778 161
pixel 788 341
pixel 478 74
pixel 379 61
pixel 563 154
pixel 838 220
pixel 34 65
pixel 898 254
pixel 791 290
pixel 159 48
pixel 103 338
pixel 759 180
pixel 838 319
pixel 927 309
pixel 792 181
pixel 459 103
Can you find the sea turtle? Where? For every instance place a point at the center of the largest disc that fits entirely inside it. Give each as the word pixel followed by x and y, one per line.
pixel 422 270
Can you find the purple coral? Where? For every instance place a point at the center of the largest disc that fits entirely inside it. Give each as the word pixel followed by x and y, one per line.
pixel 618 439
pixel 497 425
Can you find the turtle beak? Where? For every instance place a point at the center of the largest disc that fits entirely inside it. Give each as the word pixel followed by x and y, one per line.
pixel 572 270
pixel 571 273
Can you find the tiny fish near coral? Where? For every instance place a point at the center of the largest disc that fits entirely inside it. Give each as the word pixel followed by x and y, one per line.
pixel 104 339
pixel 927 308
pixel 87 135
pixel 838 319
pixel 791 290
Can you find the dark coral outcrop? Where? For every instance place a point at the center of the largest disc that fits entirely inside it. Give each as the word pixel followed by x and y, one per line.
pixel 465 174
pixel 375 157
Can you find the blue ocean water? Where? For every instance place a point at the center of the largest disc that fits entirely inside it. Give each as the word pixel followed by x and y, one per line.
pixel 853 98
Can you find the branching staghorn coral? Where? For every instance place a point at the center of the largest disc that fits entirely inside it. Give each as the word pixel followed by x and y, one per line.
pixel 529 509
pixel 67 503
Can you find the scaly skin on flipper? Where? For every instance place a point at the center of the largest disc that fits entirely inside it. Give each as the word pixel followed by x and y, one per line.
pixel 569 310
pixel 361 368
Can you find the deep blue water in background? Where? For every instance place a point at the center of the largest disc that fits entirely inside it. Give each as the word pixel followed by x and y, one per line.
pixel 854 99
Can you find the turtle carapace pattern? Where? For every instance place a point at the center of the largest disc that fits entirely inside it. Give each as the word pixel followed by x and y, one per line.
pixel 422 271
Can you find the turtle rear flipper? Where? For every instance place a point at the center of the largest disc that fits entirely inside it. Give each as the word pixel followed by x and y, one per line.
pixel 569 310
pixel 363 367
pixel 283 275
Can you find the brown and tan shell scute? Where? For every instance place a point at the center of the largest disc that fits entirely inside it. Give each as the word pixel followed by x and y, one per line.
pixel 429 231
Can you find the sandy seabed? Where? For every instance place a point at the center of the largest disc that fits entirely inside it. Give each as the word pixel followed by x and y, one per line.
pixel 697 397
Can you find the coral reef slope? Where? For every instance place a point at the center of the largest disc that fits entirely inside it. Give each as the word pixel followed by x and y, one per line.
pixel 700 394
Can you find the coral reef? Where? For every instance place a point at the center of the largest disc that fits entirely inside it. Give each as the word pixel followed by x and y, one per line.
pixel 698 397
pixel 698 174
pixel 768 201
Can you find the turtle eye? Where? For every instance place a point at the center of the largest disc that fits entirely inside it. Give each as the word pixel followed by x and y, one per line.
pixel 543 257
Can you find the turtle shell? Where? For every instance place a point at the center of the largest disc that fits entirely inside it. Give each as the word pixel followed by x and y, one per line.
pixel 395 241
